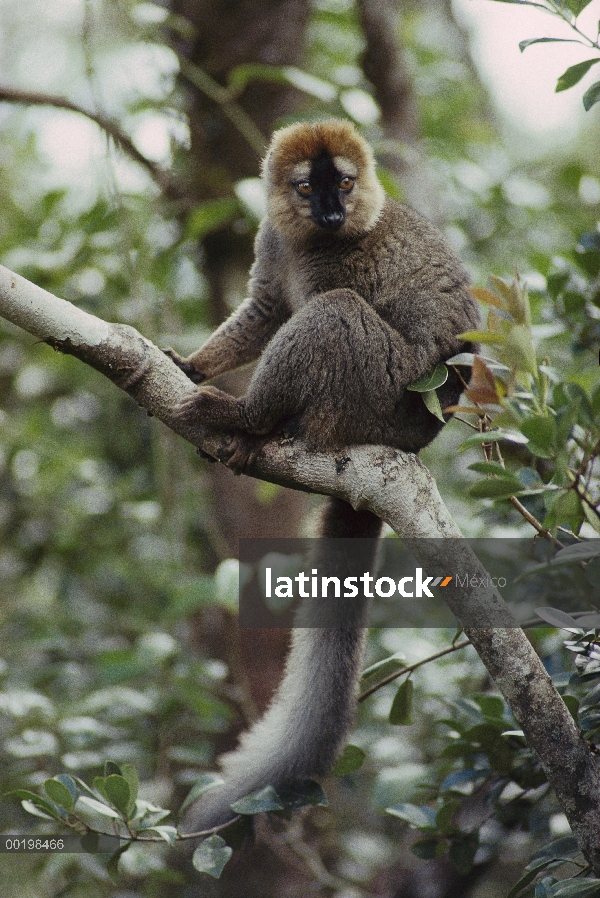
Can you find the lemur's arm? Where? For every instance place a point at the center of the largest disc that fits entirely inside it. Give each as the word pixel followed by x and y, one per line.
pixel 243 336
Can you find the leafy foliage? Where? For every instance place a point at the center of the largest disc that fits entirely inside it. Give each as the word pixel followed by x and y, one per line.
pixel 568 13
pixel 525 403
pixel 108 547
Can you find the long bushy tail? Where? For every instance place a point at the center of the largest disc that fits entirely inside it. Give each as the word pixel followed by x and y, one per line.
pixel 300 735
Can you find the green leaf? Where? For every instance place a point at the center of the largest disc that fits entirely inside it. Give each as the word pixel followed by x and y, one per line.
pixel 34 803
pixel 83 787
pixel 445 815
pixel 59 794
pixel 577 6
pixel 211 216
pixel 382 669
pixel 430 381
pixel 211 856
pixel 70 783
pixel 566 511
pixel 498 752
pixel 541 433
pixel 168 833
pixel 258 802
pixel 99 807
pixel 99 785
pixel 110 767
pixel 112 867
pixel 422 818
pixel 559 849
pixel 592 572
pixel 491 467
pixel 494 436
pixel 575 888
pixel 574 74
pixel 118 792
pixel 490 337
pixel 462 853
pixel 594 521
pixel 518 351
pixel 350 760
pixel 596 402
pixel 500 488
pixel 591 96
pixel 525 880
pixel 306 794
pixel 546 40
pixel 491 705
pixel 432 403
pixel 463 781
pixel 129 773
pixel 39 808
pixel 583 551
pixel 560 619
pixel 428 849
pixel 241 75
pixel 456 749
pixel 401 710
pixel 205 782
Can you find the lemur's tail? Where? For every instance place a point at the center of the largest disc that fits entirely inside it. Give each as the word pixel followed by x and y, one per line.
pixel 301 733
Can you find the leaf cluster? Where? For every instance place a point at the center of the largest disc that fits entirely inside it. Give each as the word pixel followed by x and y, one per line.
pixel 568 11
pixel 549 428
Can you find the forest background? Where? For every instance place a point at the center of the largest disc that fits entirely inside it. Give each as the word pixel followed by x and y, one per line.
pixel 118 577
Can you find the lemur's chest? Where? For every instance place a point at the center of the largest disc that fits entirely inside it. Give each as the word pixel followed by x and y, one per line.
pixel 326 269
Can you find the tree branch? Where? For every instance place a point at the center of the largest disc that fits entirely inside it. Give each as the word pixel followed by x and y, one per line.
pixel 394 485
pixel 31 98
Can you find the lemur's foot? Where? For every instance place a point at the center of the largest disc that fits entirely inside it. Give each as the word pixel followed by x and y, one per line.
pixel 212 407
pixel 188 369
pixel 242 452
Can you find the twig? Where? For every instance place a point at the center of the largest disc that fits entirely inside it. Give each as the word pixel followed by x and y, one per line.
pixel 238 117
pixel 410 667
pixel 32 98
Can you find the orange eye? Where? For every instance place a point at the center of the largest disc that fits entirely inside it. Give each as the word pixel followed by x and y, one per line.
pixel 347 183
pixel 304 188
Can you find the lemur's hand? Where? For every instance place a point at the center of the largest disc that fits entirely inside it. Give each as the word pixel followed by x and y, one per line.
pixel 188 369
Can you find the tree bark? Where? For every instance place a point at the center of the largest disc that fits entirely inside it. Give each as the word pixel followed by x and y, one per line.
pixel 394 485
pixel 384 65
pixel 224 35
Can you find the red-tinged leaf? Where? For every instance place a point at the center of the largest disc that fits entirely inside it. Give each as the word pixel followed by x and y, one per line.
pixel 482 386
pixel 487 297
pixel 482 396
pixel 463 409
pixel 483 337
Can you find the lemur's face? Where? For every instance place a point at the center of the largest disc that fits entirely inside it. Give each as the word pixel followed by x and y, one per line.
pixel 321 177
pixel 324 187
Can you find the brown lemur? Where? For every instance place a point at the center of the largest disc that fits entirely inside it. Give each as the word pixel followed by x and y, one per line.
pixel 353 296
